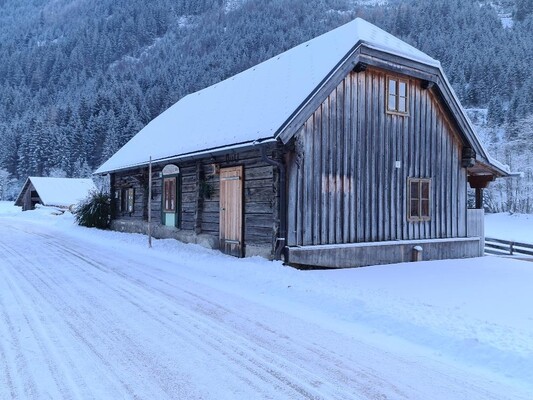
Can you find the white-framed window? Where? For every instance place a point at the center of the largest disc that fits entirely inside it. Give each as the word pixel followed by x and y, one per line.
pixel 397 95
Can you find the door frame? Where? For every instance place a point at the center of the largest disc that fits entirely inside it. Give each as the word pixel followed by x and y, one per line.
pixel 177 199
pixel 233 246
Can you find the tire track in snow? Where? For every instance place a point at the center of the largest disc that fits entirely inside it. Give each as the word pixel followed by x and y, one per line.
pixel 212 338
pixel 86 334
pixel 7 380
pixel 49 339
pixel 275 365
pixel 30 266
pixel 369 382
pixel 50 356
pixel 88 313
pixel 180 310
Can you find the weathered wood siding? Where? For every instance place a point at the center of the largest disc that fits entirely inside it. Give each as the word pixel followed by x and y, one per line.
pixel 476 227
pixel 200 213
pixel 261 197
pixel 342 180
pixel 29 201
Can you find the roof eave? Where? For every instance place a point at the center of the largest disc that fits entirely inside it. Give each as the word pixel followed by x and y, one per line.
pixel 191 156
pixel 361 52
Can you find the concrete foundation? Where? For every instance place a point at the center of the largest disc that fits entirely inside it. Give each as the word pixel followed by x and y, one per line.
pixel 167 232
pixel 363 254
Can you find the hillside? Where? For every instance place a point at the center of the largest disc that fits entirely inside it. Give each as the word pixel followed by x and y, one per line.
pixel 79 78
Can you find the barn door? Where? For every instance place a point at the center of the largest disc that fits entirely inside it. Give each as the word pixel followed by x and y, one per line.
pixel 231 193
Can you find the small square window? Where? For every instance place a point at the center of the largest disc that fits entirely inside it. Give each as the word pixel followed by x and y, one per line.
pixel 397 96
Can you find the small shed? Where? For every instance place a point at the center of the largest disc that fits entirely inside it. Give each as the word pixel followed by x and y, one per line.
pixel 58 192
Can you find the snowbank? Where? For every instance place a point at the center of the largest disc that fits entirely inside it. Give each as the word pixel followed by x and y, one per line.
pixel 9 208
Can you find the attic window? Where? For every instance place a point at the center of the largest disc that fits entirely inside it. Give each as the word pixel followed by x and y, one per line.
pixel 397 96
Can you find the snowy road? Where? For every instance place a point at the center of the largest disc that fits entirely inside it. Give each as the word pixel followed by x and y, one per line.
pixel 80 319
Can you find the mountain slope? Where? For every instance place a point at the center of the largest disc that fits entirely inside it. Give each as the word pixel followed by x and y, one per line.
pixel 79 78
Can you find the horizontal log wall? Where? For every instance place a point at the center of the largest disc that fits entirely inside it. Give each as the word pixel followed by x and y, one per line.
pixel 343 184
pixel 138 180
pixel 261 196
pixel 200 213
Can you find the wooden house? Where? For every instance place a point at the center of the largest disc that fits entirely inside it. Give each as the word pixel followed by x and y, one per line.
pixel 57 192
pixel 350 149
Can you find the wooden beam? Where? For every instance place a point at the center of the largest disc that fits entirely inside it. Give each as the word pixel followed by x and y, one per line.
pixel 479 198
pixel 480 181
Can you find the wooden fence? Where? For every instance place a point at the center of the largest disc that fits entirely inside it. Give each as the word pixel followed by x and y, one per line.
pixel 502 247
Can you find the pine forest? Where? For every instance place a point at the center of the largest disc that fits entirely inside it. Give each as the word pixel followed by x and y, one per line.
pixel 79 78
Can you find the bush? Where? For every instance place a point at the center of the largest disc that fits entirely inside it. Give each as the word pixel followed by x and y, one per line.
pixel 94 211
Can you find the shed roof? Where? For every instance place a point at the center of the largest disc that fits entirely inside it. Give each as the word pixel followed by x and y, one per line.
pixel 256 104
pixel 61 192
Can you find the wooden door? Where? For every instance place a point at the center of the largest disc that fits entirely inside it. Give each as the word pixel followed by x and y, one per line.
pixel 231 211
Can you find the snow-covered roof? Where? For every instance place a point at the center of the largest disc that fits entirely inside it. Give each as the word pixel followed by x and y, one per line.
pixel 254 104
pixel 61 192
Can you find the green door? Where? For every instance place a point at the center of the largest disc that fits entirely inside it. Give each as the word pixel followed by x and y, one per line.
pixel 170 199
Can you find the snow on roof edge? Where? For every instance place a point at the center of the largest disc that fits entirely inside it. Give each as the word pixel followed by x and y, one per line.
pixel 195 154
pixel 61 192
pixel 430 61
pixel 325 51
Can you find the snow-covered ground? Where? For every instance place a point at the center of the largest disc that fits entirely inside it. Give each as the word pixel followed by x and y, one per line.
pixel 515 227
pixel 87 313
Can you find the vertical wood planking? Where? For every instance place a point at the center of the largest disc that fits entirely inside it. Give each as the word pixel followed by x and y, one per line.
pixel 308 182
pixel 394 196
pixel 368 169
pixel 431 171
pixel 385 163
pixel 355 144
pixel 347 156
pixel 325 172
pixel 292 199
pixel 423 150
pixel 322 142
pixel 411 167
pixel 348 189
pixel 454 169
pixel 339 217
pixel 361 147
pixel 437 186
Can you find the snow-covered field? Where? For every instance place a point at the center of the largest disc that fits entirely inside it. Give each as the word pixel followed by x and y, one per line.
pixel 515 227
pixel 96 314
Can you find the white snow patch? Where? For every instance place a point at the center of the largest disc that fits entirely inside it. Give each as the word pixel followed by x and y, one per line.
pixel 371 2
pixel 513 227
pixel 62 192
pixel 507 21
pixel 478 116
pixel 8 208
pixel 232 5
